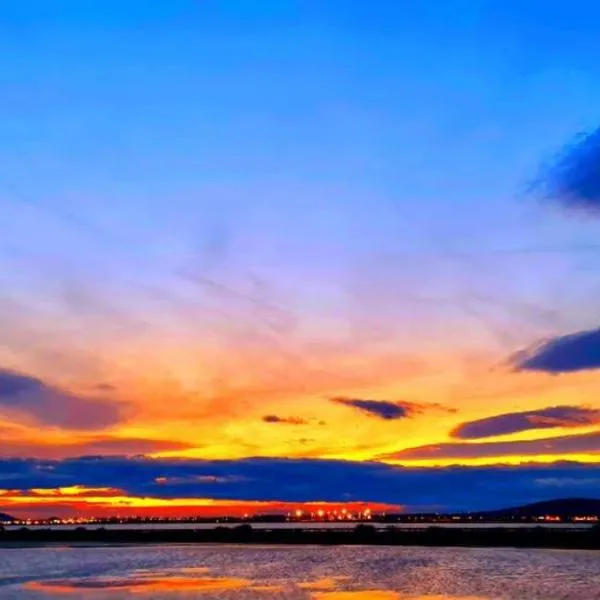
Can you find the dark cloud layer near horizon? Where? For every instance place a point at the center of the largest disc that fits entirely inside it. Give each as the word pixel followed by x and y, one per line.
pixel 544 418
pixel 579 351
pixel 572 179
pixel 27 396
pixel 306 480
pixel 587 443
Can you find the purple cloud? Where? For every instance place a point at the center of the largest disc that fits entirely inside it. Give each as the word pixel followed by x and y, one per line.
pixel 384 409
pixel 13 383
pixel 96 445
pixel 572 179
pixel 26 396
pixel 544 418
pixel 378 408
pixel 578 351
pixel 284 420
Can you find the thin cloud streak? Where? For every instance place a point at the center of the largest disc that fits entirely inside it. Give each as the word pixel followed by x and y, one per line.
pixel 585 443
pixel 389 411
pixel 274 419
pixel 96 445
pixel 544 418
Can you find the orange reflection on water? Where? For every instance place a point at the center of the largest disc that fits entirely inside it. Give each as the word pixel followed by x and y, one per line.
pixel 143 586
pixel 145 582
pixel 357 595
pixel 382 595
pixel 328 583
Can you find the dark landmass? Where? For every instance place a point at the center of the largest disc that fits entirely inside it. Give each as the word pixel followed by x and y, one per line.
pixel 6 518
pixel 567 508
pixel 517 537
pixel 562 510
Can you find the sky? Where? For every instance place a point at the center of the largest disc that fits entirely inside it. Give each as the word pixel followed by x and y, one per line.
pixel 257 255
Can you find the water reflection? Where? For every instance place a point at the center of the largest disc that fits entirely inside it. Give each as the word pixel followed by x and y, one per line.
pixel 143 581
pixel 328 583
pixel 358 595
pixel 384 595
pixel 141 586
pixel 298 573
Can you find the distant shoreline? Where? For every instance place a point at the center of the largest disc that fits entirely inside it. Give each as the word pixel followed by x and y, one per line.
pixel 494 537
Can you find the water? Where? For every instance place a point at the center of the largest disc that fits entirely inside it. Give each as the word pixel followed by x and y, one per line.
pixel 296 573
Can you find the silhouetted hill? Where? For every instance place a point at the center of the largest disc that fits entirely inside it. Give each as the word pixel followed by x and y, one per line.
pixel 565 507
pixel 5 517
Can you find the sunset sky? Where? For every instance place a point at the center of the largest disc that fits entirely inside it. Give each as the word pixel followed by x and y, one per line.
pixel 255 254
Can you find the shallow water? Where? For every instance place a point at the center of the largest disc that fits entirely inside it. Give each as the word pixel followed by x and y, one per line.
pixel 297 573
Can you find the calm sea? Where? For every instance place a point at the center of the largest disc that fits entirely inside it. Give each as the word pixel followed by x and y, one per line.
pixel 297 573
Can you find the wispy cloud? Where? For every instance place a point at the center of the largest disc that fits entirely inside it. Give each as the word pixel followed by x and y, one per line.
pixel 544 418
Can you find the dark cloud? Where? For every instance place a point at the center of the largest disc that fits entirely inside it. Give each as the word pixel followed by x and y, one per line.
pixel 378 408
pixel 284 420
pixel 572 179
pixel 387 410
pixel 544 418
pixel 28 396
pixel 588 443
pixel 303 480
pixel 578 351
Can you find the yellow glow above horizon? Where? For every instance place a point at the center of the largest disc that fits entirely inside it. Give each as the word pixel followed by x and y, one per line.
pixel 112 501
pixel 286 410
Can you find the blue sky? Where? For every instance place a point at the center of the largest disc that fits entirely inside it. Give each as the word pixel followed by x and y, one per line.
pixel 130 114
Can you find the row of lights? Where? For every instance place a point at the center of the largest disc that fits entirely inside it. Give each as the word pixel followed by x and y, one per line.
pixel 557 519
pixel 335 515
pixel 298 515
